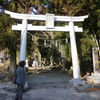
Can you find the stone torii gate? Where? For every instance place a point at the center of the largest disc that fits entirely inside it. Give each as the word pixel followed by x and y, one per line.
pixel 49 19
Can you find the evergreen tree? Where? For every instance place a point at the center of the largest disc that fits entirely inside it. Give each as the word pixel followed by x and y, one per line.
pixel 66 8
pixel 8 39
pixel 92 24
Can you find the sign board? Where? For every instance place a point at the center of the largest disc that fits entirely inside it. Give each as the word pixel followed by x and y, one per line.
pixel 49 21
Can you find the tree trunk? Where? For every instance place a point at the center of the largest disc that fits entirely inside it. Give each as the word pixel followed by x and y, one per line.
pixel 12 67
pixel 97 43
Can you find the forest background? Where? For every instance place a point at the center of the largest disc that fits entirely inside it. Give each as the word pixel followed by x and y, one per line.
pixel 89 38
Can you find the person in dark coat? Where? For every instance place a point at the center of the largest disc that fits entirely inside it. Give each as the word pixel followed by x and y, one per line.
pixel 20 80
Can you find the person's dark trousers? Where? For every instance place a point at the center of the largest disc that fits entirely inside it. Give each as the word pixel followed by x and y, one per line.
pixel 19 92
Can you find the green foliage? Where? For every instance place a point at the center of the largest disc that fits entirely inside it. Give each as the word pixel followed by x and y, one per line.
pixel 45 52
pixel 85 40
pixel 7 36
pixel 8 40
pixel 65 47
pixel 92 8
pixel 63 7
pixel 87 43
pixel 55 54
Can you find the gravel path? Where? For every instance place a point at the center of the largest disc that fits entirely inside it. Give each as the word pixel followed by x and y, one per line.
pixel 48 86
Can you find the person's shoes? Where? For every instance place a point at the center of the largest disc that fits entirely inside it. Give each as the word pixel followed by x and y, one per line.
pixel 16 99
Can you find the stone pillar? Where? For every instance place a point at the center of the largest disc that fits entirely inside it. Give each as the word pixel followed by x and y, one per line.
pixel 39 59
pixel 95 53
pixel 59 47
pixel 63 63
pixel 75 62
pixel 26 63
pixel 95 77
pixel 23 40
pixel 51 61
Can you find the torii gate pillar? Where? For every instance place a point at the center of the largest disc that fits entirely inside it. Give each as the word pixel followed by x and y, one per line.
pixel 76 73
pixel 75 62
pixel 23 40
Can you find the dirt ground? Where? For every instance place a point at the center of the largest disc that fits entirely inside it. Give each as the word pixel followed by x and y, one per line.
pixel 49 85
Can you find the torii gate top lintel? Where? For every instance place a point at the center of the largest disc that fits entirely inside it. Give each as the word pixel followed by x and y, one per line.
pixel 49 19
pixel 43 17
